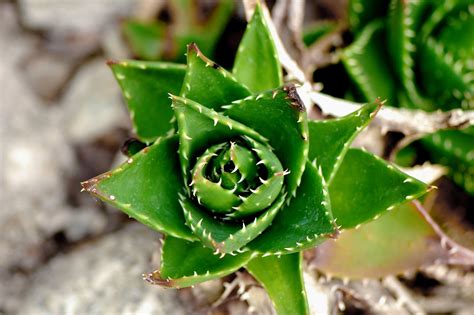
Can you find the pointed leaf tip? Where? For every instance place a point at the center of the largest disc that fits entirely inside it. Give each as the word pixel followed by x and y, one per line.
pixel 256 64
pixel 208 83
pixel 145 86
pixel 293 95
pixel 366 186
pixel 184 264
pixel 111 62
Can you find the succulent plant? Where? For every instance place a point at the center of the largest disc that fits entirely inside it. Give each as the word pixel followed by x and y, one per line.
pixel 167 40
pixel 418 54
pixel 233 173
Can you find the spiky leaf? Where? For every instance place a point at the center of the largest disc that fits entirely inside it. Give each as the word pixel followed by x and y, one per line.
pixel 365 186
pixel 146 188
pixel 257 64
pixel 361 12
pixel 330 139
pixel 200 127
pixel 365 61
pixel 145 86
pixel 147 39
pixel 314 32
pixel 227 236
pixel 185 263
pixel 404 21
pixel 283 280
pixel 289 138
pixel 454 148
pixel 303 223
pixel 208 83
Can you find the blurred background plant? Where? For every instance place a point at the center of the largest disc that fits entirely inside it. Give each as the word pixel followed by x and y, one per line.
pixel 178 23
pixel 67 121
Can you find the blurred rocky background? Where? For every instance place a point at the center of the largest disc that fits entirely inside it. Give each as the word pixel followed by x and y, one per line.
pixel 63 121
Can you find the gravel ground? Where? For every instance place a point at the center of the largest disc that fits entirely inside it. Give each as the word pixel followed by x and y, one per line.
pixel 62 120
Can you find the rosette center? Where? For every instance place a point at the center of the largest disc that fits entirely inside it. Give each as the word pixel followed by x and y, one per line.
pixel 237 178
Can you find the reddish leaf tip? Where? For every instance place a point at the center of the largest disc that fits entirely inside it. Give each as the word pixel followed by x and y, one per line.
pixel 194 47
pixel 111 62
pixel 296 101
pixel 155 279
pixel 91 185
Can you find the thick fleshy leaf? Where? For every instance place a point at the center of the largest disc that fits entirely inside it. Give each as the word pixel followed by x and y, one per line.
pixel 185 263
pixel 208 83
pixel 454 148
pixel 200 127
pixel 366 62
pixel 257 64
pixel 210 194
pixel 244 160
pixel 146 39
pixel 303 223
pixel 456 34
pixel 145 86
pixel 400 240
pixel 314 32
pixel 282 278
pixel 439 68
pixel 146 188
pixel 404 20
pixel 193 24
pixel 288 137
pixel 269 189
pixel 227 236
pixel 361 12
pixel 330 139
pixel 365 186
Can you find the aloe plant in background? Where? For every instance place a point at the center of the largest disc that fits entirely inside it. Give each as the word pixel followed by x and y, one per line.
pixel 418 54
pixel 167 40
pixel 235 176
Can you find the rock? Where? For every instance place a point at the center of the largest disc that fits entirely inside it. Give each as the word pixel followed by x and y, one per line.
pixel 74 16
pixel 92 103
pixel 113 43
pixel 35 160
pixel 102 277
pixel 46 73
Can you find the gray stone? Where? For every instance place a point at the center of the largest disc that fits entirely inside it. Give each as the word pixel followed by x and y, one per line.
pixel 77 16
pixel 46 73
pixel 103 277
pixel 113 43
pixel 92 103
pixel 35 160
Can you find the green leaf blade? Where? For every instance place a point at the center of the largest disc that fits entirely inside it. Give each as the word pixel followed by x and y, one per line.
pixel 257 64
pixel 185 263
pixel 145 86
pixel 455 149
pixel 200 127
pixel 374 249
pixel 366 185
pixel 305 222
pixel 365 61
pixel 208 83
pixel 146 188
pixel 289 137
pixel 146 39
pixel 282 278
pixel 227 237
pixel 330 139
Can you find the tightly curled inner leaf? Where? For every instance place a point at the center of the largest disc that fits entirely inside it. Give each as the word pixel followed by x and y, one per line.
pixel 235 180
